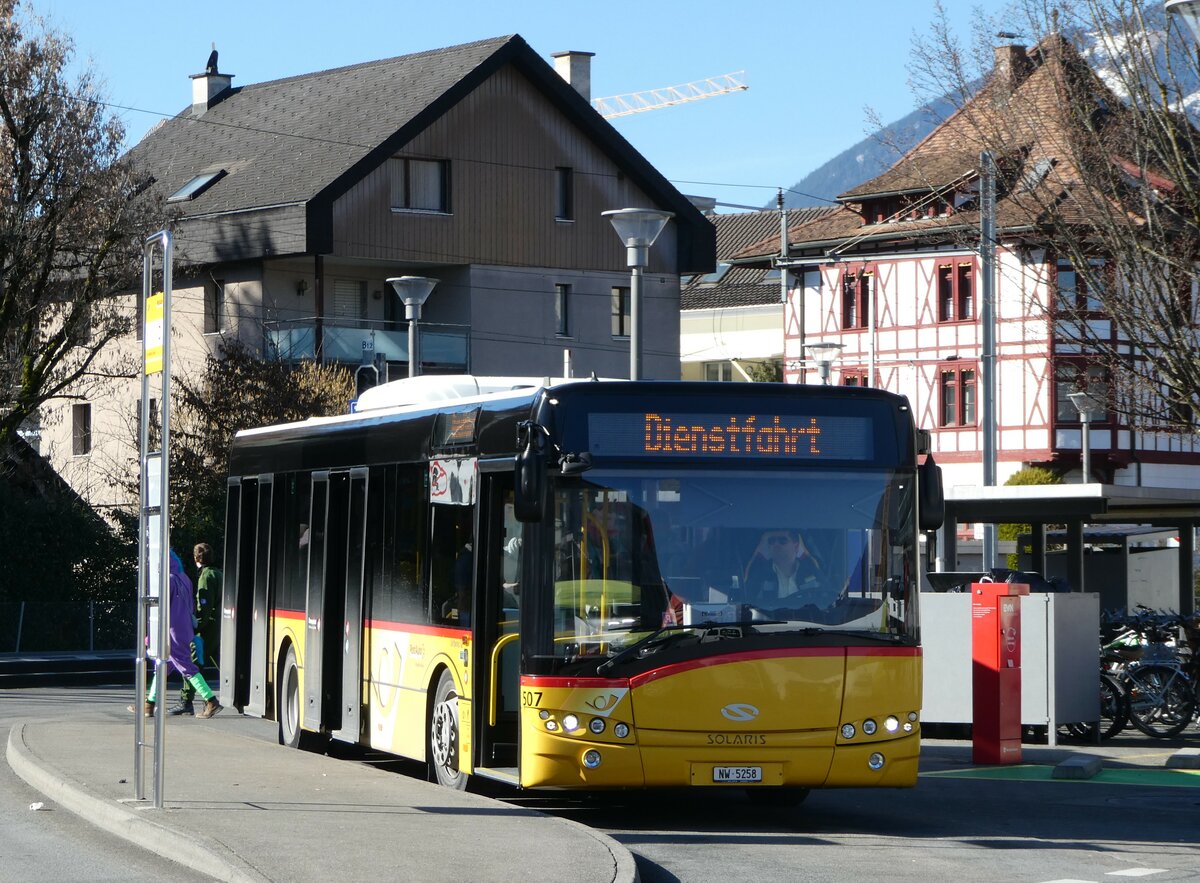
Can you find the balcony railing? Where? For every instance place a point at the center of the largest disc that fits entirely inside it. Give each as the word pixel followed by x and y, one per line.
pixel 357 341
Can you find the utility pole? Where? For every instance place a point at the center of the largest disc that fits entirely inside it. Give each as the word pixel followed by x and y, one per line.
pixel 987 366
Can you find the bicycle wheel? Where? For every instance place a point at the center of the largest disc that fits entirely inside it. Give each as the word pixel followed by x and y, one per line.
pixel 1161 700
pixel 1114 707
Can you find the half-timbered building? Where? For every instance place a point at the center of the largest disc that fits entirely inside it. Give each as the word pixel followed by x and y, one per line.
pixel 892 279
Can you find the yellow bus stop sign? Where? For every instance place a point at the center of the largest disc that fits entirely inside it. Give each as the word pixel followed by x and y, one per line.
pixel 153 336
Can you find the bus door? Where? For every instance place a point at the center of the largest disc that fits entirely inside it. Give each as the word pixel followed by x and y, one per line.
pixel 325 604
pixel 260 620
pixel 247 519
pixel 351 645
pixel 497 631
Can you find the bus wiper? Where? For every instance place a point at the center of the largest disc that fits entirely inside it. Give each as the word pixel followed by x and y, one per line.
pixel 707 625
pixel 638 645
pixel 886 637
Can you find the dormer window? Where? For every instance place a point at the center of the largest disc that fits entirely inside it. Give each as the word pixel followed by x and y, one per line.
pixel 714 277
pixel 196 186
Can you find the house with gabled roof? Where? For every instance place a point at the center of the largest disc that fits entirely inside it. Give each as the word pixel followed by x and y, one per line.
pixel 292 201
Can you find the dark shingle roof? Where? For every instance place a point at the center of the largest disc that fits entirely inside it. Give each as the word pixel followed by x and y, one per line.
pixel 284 141
pixel 744 286
pixel 308 139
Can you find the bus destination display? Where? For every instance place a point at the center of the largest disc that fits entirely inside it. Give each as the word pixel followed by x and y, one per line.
pixel 766 436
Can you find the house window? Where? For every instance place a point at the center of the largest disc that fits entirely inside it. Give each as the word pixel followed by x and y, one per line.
pixel 562 310
pixel 1078 292
pixel 856 299
pixel 718 371
pixel 420 184
pixel 349 299
pixel 620 312
pixel 854 379
pixel 957 397
pixel 955 292
pixel 564 194
pixel 81 429
pixel 214 306
pixel 1072 377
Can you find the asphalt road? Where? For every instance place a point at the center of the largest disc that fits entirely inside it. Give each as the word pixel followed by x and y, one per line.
pixel 958 824
pixel 50 843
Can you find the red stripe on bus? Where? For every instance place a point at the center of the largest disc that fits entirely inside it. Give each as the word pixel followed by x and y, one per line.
pixel 584 683
pixel 437 630
pixel 288 614
pixel 748 656
pixel 883 651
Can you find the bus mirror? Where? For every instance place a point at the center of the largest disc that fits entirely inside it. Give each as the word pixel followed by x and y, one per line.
pixel 930 499
pixel 529 500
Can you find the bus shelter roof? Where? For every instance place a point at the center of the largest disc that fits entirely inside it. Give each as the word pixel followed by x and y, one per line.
pixel 1090 503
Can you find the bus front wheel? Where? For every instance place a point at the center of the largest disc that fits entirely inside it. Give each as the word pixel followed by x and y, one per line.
pixel 443 735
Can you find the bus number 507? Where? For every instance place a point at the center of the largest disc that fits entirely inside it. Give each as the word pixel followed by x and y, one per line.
pixel 531 698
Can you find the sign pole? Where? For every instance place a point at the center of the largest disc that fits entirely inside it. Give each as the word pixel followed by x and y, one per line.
pixel 154 517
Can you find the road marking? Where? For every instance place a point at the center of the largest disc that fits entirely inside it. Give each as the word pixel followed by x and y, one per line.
pixel 1136 872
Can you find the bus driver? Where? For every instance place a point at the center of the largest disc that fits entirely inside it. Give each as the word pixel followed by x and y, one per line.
pixel 782 572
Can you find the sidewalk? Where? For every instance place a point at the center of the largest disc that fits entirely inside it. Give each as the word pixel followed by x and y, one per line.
pixel 260 812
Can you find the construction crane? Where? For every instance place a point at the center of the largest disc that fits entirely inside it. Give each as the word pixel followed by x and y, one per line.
pixel 638 102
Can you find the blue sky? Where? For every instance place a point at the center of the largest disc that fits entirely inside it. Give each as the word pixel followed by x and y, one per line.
pixel 812 67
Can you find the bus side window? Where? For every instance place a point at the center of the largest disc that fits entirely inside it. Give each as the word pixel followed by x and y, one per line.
pixel 452 564
pixel 402 598
pixel 510 563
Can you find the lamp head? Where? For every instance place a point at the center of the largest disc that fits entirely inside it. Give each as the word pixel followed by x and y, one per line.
pixel 1083 403
pixel 413 291
pixel 638 228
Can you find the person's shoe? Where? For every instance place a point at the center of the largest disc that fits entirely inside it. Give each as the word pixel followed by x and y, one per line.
pixel 211 709
pixel 148 711
pixel 182 708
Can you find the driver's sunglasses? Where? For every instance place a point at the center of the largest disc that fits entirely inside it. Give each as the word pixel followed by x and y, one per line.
pixel 779 540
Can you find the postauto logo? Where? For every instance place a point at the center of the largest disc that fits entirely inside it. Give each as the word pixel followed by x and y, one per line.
pixel 739 712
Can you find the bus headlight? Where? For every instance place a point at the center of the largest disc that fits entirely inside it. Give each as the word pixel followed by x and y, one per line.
pixel 570 723
pixel 891 723
pixel 848 731
pixel 591 759
pixel 597 725
pixel 869 727
pixel 875 761
pixel 551 726
pixel 621 731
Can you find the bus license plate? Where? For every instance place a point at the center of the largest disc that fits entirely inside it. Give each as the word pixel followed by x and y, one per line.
pixel 737 774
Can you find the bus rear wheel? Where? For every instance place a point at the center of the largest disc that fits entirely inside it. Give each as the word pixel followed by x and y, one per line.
pixel 289 701
pixel 443 735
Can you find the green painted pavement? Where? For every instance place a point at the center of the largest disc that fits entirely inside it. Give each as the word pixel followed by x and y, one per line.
pixel 1041 773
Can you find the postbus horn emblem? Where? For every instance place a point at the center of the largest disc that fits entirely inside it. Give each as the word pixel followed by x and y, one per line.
pixel 739 712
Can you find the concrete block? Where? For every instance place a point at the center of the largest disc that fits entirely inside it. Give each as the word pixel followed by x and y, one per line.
pixel 1184 759
pixel 1078 766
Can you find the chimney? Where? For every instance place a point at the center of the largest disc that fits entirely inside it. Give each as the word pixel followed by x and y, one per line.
pixel 1012 66
pixel 209 87
pixel 576 69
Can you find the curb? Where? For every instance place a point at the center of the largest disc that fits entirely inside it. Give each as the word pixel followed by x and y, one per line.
pixel 624 867
pixel 192 850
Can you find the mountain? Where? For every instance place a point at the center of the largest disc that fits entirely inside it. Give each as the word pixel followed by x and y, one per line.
pixel 866 159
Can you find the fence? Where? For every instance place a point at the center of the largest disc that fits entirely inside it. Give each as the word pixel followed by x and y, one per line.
pixel 34 627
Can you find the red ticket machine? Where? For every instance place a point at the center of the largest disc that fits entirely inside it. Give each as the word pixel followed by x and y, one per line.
pixel 996 671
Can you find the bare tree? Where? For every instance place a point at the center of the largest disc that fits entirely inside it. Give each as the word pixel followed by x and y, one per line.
pixel 1100 166
pixel 237 389
pixel 70 227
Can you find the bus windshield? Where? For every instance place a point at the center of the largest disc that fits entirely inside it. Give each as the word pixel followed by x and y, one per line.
pixel 739 553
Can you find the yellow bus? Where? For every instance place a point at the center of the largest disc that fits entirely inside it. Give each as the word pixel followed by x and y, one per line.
pixel 588 584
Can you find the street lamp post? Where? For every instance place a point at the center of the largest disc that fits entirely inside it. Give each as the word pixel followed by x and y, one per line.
pixel 1189 11
pixel 638 228
pixel 1083 404
pixel 413 291
pixel 824 352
